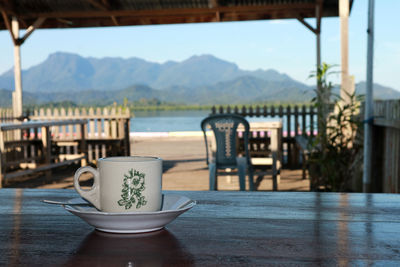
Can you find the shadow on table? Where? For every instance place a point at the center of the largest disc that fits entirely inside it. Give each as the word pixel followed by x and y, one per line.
pixel 158 248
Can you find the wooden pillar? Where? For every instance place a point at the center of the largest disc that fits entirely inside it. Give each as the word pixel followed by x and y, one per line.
pixel 13 28
pixel 346 85
pixel 17 94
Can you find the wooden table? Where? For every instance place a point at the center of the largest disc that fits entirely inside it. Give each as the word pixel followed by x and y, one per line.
pixel 225 228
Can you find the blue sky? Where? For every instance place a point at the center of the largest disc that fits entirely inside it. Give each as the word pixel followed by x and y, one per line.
pixel 284 45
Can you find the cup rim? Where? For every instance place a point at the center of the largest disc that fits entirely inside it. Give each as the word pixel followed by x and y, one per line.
pixel 139 159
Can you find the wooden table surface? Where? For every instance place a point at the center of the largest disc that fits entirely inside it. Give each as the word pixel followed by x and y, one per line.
pixel 225 228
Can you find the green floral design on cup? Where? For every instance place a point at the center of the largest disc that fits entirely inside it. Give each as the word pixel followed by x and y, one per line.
pixel 132 190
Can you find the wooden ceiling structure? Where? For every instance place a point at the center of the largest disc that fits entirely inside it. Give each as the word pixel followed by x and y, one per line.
pixel 103 13
pixel 68 14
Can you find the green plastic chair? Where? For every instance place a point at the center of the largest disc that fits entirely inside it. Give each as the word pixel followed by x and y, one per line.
pixel 225 127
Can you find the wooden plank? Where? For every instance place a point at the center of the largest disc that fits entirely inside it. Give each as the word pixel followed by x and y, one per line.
pixel 121 129
pixel 83 114
pixel 113 125
pixel 71 131
pixel 30 124
pixel 41 168
pixel 96 152
pixel 107 132
pixel 90 153
pixel 103 151
pixel 63 128
pixel 296 120
pixel 99 127
pixel 387 123
pixel 92 130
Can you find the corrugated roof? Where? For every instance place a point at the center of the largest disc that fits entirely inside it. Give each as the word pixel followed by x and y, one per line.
pixel 100 13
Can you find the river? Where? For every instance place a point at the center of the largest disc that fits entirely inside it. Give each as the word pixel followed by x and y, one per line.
pixel 176 120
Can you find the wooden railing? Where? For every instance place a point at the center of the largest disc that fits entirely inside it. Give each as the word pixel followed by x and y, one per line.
pixel 386 147
pixel 107 131
pixel 297 120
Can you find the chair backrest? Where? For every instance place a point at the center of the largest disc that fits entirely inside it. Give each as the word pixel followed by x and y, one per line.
pixel 225 127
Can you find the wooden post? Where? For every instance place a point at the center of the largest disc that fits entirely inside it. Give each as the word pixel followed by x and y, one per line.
pixel 17 94
pixel 46 141
pixel 127 146
pixel 312 113
pixel 345 89
pixel 288 136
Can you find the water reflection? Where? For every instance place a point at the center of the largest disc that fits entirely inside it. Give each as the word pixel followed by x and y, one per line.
pixel 343 230
pixel 149 249
pixel 318 241
pixel 16 232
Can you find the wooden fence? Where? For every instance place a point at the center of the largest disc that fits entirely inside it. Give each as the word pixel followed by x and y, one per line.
pixel 107 131
pixel 297 120
pixel 6 115
pixel 386 147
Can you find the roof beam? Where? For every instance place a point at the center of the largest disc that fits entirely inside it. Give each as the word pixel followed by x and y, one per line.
pixel 104 6
pixel 214 4
pixel 8 26
pixel 171 11
pixel 305 23
pixel 99 5
pixel 8 7
pixel 31 28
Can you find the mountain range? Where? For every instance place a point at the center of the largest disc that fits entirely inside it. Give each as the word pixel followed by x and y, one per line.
pixel 201 79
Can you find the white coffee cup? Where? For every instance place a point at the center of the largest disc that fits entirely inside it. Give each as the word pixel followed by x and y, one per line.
pixel 124 184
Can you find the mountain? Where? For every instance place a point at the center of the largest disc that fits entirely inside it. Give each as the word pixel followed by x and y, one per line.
pixel 66 72
pixel 246 89
pixel 380 92
pixel 198 80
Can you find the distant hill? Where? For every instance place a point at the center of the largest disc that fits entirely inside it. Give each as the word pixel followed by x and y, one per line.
pixel 66 72
pixel 232 92
pixel 380 92
pixel 198 80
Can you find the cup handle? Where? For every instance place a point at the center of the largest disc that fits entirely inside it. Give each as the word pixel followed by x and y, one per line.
pixel 91 195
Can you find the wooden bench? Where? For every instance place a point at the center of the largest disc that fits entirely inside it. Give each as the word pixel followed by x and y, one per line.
pixel 30 147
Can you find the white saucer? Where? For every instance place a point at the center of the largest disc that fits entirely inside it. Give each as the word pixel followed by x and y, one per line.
pixel 132 222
